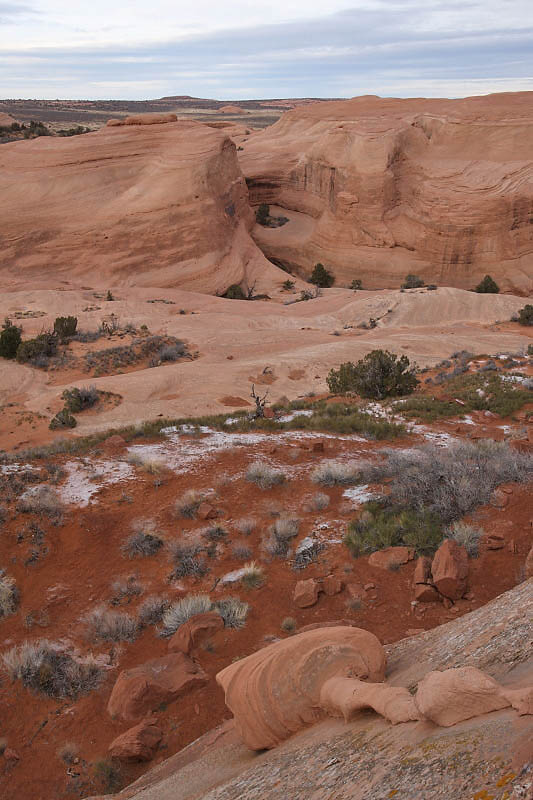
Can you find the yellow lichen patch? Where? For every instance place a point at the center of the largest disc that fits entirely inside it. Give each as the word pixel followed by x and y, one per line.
pixel 483 795
pixel 392 792
pixel 505 779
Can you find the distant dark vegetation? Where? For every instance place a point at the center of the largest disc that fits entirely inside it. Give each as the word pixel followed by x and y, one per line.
pixel 16 131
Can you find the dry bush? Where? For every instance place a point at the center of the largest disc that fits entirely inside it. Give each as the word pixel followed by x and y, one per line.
pixel 148 464
pixel 143 541
pixel 182 610
pixel 9 596
pixel 187 559
pixel 277 541
pixel 288 625
pixel 233 611
pixel 241 551
pixel 125 589
pixel 103 625
pixel 215 533
pixel 246 526
pixel 187 505
pixel 264 475
pixel 253 576
pixel 466 535
pixel 337 473
pixel 454 480
pixel 42 500
pixel 316 502
pixel 68 752
pixel 48 668
pixel 151 610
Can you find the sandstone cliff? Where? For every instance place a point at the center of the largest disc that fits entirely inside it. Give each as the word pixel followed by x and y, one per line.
pixel 146 205
pixel 376 188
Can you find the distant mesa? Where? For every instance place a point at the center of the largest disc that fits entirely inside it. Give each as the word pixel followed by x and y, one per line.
pixel 143 119
pixel 231 110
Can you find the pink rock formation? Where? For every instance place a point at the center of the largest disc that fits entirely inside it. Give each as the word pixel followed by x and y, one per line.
pixel 457 694
pixel 138 743
pixel 142 689
pixel 332 585
pixel 143 119
pixel 149 205
pixel 346 696
pixel 450 569
pixel 274 692
pixel 231 109
pixel 195 631
pixel 529 564
pixel 378 187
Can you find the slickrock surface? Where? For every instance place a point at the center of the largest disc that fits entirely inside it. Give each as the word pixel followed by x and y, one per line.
pixel 375 188
pixel 142 204
pixel 368 757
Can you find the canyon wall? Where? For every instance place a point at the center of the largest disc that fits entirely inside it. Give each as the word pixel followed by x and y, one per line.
pixel 146 205
pixel 376 188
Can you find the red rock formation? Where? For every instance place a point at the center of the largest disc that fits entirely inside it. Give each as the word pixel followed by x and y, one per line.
pixel 376 188
pixel 274 692
pixel 142 204
pixel 391 556
pixel 195 631
pixel 306 593
pixel 138 743
pixel 142 689
pixel 450 569
pixel 457 694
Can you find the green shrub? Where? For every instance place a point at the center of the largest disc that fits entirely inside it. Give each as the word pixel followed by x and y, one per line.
pixel 412 282
pixel 525 315
pixel 77 400
pixel 43 346
pixel 65 327
pixel 287 285
pixel 10 339
pixel 380 527
pixel 321 277
pixel 487 286
pixel 262 215
pixel 379 374
pixel 356 284
pixel 63 419
pixel 234 292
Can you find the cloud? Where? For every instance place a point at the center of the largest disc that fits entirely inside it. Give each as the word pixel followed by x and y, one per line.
pixel 397 47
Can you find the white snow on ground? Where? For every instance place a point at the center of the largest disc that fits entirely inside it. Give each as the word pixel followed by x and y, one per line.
pixel 180 453
pixel 440 439
pixel 467 420
pixel 359 494
pixel 233 577
pixel 303 412
pixel 86 477
pixel 7 469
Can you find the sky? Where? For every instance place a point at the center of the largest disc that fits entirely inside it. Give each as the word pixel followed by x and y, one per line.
pixel 245 49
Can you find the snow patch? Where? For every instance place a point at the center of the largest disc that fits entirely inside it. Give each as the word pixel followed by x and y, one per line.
pixel 86 477
pixel 359 494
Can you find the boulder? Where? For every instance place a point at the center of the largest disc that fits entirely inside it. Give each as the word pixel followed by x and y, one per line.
pixel 138 743
pixel 195 631
pixel 454 695
pixel 206 511
pixel 422 572
pixel 450 569
pixel 332 585
pixel 391 556
pixel 425 593
pixel 306 593
pixel 276 691
pixel 144 688
pixel 520 699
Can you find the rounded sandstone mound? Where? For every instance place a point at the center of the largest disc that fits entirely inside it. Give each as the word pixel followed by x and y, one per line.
pixel 277 690
pixel 143 119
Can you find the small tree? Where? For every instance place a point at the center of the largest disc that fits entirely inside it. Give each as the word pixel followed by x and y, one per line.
pixel 65 327
pixel 260 402
pixel 412 282
pixel 235 292
pixel 321 277
pixel 109 295
pixel 487 286
pixel 356 284
pixel 262 215
pixel 379 374
pixel 525 315
pixel 10 338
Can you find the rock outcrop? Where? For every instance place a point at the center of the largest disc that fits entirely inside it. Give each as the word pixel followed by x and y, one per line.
pixel 276 691
pixel 450 569
pixel 139 204
pixel 138 743
pixel 196 630
pixel 142 689
pixel 376 188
